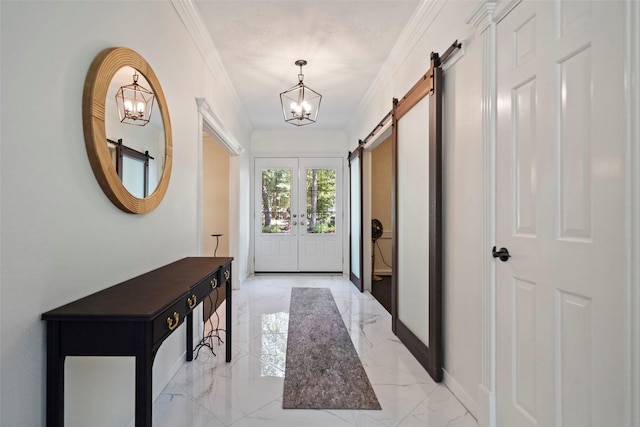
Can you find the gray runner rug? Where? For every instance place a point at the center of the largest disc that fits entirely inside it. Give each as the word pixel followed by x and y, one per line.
pixel 323 370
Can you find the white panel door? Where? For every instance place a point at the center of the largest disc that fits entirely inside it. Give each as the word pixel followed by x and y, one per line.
pixel 276 230
pixel 561 318
pixel 320 209
pixel 298 215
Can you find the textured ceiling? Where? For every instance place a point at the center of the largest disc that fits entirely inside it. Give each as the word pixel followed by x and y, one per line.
pixel 345 43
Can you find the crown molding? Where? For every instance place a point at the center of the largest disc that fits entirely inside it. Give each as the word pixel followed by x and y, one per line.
pixel 491 12
pixel 482 16
pixel 418 24
pixel 190 16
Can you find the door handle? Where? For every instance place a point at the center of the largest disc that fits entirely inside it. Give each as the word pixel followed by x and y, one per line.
pixel 301 222
pixel 294 223
pixel 503 254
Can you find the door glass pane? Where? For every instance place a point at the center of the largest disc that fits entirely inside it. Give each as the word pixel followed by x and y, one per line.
pixel 355 217
pixel 276 201
pixel 321 201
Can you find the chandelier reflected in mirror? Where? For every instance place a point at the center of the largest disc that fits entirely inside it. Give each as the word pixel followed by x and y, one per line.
pixel 135 103
pixel 300 103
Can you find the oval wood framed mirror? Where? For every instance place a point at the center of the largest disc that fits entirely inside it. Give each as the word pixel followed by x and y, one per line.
pixel 94 111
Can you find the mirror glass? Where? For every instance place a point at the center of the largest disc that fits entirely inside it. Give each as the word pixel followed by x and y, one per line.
pixel 137 151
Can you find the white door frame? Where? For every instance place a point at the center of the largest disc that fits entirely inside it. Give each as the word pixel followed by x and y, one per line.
pixel 379 136
pixel 633 206
pixel 485 20
pixel 345 198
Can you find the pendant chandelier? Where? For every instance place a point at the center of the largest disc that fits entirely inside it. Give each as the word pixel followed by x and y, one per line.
pixel 135 103
pixel 300 103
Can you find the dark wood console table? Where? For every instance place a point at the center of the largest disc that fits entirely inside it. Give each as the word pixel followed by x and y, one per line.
pixel 132 319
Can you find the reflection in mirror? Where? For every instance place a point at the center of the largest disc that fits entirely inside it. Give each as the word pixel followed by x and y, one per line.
pixel 274 344
pixel 137 152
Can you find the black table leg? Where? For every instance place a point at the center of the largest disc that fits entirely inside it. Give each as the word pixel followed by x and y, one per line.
pixel 144 388
pixel 55 377
pixel 190 336
pixel 228 316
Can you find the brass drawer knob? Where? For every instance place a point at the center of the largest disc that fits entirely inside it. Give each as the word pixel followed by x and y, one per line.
pixel 192 301
pixel 214 283
pixel 227 274
pixel 172 322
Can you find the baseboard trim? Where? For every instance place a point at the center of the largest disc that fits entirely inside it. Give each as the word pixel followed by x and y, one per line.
pixel 485 402
pixel 461 394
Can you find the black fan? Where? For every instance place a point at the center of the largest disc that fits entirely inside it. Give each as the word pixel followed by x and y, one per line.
pixel 376 229
pixel 376 233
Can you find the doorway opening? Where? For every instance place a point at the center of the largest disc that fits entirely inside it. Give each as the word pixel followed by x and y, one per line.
pixel 381 236
pixel 215 206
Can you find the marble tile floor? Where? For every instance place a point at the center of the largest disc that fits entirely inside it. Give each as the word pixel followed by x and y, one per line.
pixel 248 390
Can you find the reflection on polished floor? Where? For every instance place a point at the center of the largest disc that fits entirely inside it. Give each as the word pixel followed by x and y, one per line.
pixel 248 391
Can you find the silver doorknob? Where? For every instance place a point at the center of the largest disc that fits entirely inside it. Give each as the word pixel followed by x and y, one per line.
pixel 301 222
pixel 294 223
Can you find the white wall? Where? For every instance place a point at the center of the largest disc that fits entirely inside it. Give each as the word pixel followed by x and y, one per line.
pixel 299 142
pixel 61 237
pixel 463 172
pixel 463 221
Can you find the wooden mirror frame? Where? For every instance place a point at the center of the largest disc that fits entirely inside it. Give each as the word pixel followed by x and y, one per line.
pixel 96 85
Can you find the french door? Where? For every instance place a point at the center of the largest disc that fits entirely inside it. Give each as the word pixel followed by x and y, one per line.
pixel 562 326
pixel 298 215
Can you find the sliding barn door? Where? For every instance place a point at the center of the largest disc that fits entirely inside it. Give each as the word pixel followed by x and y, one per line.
pixel 416 279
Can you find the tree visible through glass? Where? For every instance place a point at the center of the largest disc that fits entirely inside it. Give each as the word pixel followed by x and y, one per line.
pixel 320 213
pixel 321 201
pixel 276 201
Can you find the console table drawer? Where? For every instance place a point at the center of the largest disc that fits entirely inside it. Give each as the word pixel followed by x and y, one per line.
pixel 168 321
pixel 201 290
pixel 225 273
